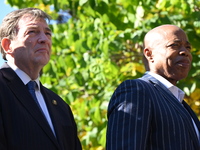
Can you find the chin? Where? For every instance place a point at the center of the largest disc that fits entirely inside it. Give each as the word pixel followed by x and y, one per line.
pixel 182 77
pixel 182 73
pixel 42 61
pixel 45 62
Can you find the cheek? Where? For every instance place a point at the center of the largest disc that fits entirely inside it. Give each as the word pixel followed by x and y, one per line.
pixel 170 62
pixel 171 59
pixel 190 57
pixel 29 43
pixel 19 51
pixel 20 55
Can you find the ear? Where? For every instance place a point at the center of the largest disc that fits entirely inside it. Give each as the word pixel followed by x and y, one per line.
pixel 148 54
pixel 5 43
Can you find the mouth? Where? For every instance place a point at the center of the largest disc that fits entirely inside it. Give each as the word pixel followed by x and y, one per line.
pixel 184 63
pixel 42 50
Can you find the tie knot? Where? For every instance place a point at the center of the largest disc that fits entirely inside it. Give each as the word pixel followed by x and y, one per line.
pixel 31 85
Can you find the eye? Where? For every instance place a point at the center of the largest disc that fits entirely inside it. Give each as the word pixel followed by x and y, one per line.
pixel 31 31
pixel 174 45
pixel 48 33
pixel 188 47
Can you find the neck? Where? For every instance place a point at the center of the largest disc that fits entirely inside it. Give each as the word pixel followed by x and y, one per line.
pixel 33 71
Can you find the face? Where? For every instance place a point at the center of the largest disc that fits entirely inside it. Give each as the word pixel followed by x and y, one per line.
pixel 171 56
pixel 32 45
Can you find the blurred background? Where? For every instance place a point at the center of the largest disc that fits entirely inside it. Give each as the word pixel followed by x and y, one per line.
pixel 97 44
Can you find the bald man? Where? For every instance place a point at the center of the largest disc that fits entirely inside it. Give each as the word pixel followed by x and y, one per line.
pixel 149 113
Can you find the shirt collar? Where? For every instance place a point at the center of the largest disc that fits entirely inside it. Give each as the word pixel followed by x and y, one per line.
pixel 178 93
pixel 22 75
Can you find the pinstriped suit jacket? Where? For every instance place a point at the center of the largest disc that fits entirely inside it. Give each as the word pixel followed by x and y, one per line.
pixel 144 115
pixel 22 124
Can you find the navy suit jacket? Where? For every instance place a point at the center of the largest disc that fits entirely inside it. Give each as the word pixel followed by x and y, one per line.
pixel 22 124
pixel 144 115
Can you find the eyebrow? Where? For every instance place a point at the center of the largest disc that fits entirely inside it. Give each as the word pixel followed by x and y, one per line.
pixel 48 29
pixel 187 42
pixel 35 26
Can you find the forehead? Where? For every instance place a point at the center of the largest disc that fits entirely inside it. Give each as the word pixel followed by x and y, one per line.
pixel 29 20
pixel 164 35
pixel 176 35
pixel 172 34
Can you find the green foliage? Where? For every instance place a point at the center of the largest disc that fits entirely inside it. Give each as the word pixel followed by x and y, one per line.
pixel 101 46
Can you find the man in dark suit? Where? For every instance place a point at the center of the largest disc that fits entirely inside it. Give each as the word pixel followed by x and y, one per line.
pixel 149 113
pixel 31 116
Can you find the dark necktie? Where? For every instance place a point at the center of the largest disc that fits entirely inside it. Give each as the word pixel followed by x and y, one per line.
pixel 31 87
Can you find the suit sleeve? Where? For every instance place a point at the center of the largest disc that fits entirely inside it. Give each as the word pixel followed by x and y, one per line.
pixel 3 142
pixel 2 135
pixel 129 115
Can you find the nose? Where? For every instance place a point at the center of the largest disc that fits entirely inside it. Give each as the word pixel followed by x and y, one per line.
pixel 184 51
pixel 43 38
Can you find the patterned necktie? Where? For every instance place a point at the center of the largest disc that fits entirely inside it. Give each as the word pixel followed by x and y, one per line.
pixel 31 87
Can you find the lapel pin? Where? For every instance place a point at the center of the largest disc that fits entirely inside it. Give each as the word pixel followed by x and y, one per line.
pixel 54 102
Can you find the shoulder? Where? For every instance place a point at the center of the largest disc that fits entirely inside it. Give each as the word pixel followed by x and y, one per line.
pixel 131 90
pixel 135 84
pixel 130 95
pixel 51 95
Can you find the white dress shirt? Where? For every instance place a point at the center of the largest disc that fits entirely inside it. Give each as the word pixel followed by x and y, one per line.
pixel 25 79
pixel 178 93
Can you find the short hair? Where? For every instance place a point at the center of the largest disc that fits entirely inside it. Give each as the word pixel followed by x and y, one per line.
pixel 9 24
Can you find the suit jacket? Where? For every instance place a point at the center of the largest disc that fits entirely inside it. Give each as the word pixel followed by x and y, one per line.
pixel 22 124
pixel 144 115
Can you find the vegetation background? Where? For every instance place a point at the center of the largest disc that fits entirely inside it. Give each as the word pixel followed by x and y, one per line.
pixel 97 44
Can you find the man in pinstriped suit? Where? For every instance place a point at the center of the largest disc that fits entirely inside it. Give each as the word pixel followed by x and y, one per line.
pixel 149 113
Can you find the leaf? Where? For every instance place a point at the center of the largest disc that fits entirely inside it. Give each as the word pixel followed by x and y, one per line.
pixel 79 78
pixel 82 2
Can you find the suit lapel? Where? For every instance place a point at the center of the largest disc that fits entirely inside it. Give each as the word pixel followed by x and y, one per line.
pixel 22 94
pixel 51 104
pixel 62 125
pixel 53 112
pixel 175 103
